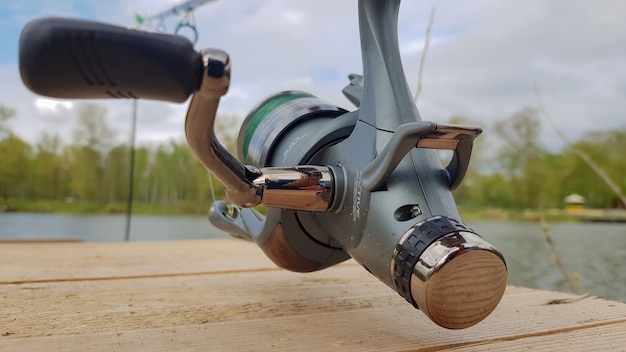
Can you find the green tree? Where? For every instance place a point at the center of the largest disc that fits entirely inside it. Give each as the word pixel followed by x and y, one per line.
pixel 605 148
pixel 85 171
pixel 48 173
pixel 115 180
pixel 92 139
pixel 93 129
pixel 521 156
pixel 141 177
pixel 15 157
pixel 6 114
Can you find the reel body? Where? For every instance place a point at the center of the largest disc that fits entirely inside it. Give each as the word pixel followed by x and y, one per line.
pixel 401 226
pixel 389 203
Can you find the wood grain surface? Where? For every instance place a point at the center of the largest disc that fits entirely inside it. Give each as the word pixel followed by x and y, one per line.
pixel 225 295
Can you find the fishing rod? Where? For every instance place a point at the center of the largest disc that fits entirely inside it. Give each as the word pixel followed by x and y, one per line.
pixel 364 184
pixel 184 9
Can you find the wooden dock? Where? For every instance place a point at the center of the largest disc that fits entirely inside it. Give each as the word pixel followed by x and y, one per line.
pixel 582 214
pixel 224 295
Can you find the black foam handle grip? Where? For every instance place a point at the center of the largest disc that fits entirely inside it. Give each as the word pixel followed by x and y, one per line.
pixel 69 58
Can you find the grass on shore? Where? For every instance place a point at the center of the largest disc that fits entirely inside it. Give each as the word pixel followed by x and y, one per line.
pixel 58 206
pixel 201 208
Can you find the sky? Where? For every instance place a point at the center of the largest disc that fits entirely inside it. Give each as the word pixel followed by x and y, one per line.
pixel 487 60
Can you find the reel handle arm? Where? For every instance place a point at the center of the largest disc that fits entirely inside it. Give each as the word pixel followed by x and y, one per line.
pixel 301 187
pixel 199 130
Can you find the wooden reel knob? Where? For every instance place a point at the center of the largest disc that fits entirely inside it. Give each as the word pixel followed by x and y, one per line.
pixel 459 280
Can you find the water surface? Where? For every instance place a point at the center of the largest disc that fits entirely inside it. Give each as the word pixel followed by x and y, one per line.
pixel 596 252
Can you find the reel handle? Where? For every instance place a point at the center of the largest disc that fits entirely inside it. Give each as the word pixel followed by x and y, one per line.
pixel 302 187
pixel 69 58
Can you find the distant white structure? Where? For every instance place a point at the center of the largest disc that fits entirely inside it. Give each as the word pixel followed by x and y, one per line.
pixel 574 202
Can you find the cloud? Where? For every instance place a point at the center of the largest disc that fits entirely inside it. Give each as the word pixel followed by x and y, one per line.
pixel 569 49
pixel 485 60
pixel 51 107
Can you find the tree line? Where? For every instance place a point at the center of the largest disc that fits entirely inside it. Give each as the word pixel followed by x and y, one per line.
pixel 92 169
pixel 510 167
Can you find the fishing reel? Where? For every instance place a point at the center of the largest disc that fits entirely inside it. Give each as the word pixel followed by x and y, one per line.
pixel 365 184
pixel 438 264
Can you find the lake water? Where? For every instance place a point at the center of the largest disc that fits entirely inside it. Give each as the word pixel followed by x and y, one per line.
pixel 596 252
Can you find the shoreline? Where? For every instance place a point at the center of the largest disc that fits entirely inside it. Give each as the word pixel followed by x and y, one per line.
pixel 201 208
pixel 62 207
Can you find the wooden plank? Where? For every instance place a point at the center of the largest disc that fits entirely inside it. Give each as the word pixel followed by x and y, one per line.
pixel 38 240
pixel 259 308
pixel 22 262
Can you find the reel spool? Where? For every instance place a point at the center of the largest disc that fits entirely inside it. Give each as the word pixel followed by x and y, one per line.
pixel 268 124
pixel 286 129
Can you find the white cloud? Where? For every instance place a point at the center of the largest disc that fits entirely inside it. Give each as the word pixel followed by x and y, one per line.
pixel 52 107
pixel 295 18
pixel 485 59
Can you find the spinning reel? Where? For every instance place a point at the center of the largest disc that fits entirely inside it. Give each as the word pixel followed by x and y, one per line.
pixel 364 184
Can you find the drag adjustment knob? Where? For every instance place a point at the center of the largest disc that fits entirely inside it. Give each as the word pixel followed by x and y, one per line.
pixel 457 279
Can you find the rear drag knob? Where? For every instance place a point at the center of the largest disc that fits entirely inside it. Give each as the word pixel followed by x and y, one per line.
pixel 456 279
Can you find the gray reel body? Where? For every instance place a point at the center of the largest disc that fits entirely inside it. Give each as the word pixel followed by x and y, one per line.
pixel 385 214
pixel 391 206
pixel 365 184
